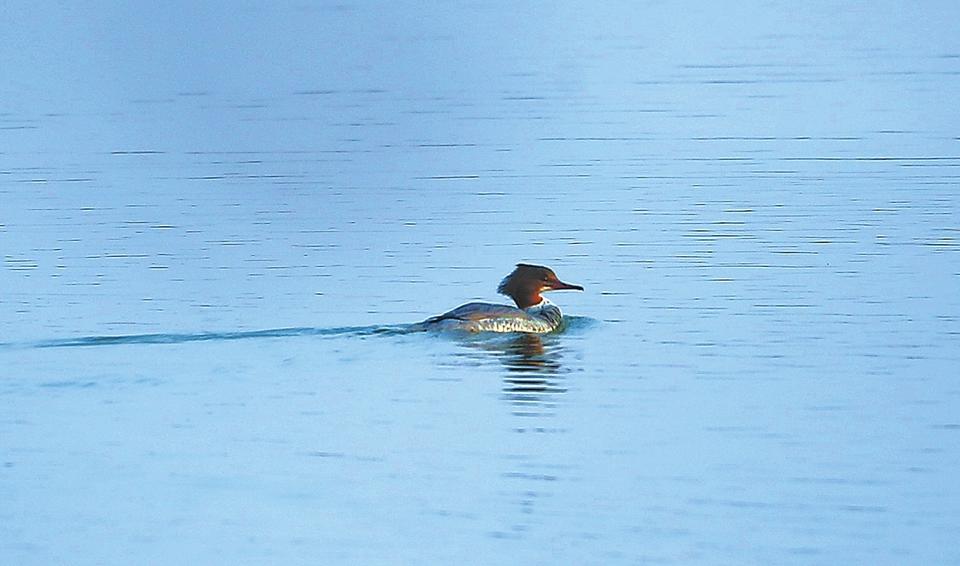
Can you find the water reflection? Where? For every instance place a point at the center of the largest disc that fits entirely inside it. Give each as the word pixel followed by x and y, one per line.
pixel 534 372
pixel 532 385
pixel 533 375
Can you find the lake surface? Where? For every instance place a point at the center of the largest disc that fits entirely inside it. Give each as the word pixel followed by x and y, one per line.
pixel 215 219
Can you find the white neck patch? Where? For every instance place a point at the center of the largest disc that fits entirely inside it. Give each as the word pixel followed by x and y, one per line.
pixel 544 303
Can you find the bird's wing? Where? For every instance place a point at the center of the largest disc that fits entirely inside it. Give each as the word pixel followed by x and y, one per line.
pixel 480 311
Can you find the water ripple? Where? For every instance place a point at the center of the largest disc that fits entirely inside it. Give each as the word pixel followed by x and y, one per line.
pixel 181 338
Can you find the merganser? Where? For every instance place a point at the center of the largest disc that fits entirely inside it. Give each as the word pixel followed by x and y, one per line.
pixel 533 313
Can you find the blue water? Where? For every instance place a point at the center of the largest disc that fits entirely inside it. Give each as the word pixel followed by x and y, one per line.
pixel 216 221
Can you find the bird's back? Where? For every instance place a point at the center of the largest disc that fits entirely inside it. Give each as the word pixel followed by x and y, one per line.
pixel 489 317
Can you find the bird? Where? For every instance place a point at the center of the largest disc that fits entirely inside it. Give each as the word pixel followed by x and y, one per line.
pixel 533 313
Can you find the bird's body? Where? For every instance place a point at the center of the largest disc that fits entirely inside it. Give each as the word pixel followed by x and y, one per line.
pixel 533 313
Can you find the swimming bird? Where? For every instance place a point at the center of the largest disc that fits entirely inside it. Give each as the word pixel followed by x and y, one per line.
pixel 533 313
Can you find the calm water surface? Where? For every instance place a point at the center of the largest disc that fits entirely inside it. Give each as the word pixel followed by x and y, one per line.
pixel 213 219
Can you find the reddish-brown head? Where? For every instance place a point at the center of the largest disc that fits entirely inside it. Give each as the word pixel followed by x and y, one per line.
pixel 527 281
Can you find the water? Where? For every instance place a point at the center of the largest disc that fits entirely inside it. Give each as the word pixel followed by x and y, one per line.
pixel 216 220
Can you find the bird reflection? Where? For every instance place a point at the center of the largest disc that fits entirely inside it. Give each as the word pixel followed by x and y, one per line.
pixel 533 371
pixel 532 386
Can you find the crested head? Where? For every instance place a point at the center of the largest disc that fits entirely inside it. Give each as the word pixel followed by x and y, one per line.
pixel 526 282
